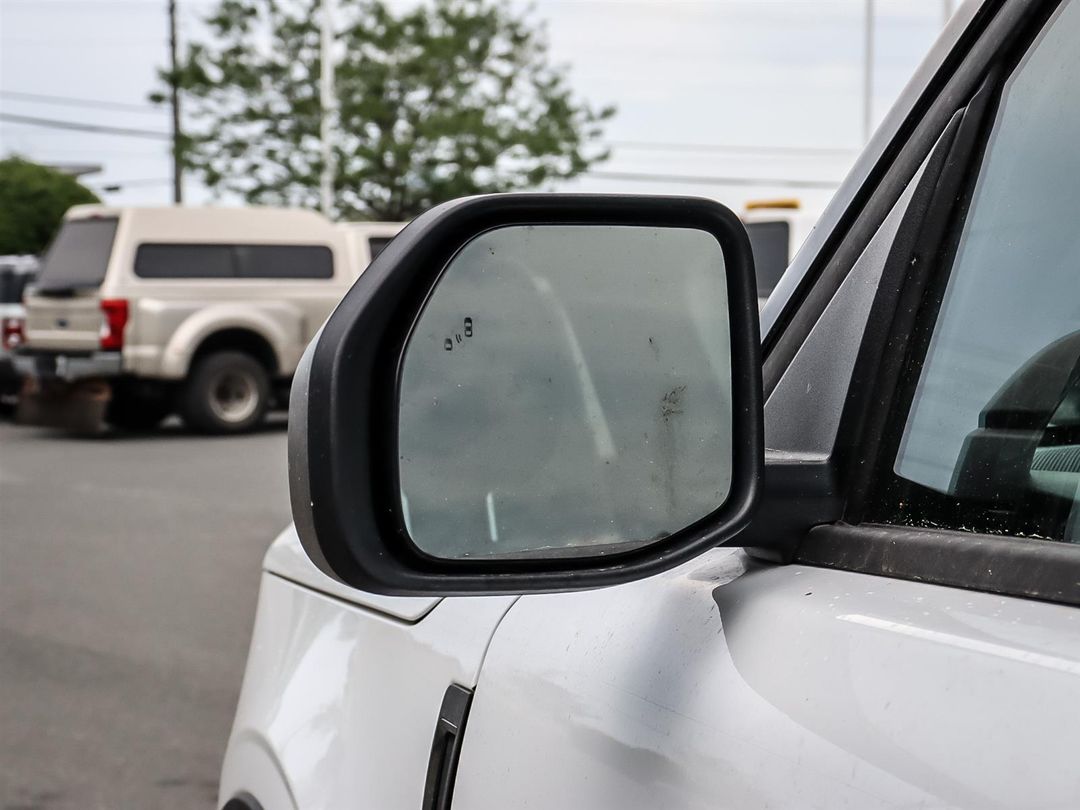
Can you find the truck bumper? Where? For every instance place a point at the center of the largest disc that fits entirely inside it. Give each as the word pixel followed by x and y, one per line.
pixel 50 366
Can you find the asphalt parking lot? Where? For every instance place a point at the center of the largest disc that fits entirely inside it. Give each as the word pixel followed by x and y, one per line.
pixel 128 576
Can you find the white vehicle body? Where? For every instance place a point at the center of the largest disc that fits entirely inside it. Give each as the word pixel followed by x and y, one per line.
pixel 365 240
pixel 891 681
pixel 723 683
pixel 777 231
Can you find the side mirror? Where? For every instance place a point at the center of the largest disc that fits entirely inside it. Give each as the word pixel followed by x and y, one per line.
pixel 533 393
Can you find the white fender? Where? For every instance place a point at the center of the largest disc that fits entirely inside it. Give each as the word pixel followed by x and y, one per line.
pixel 280 324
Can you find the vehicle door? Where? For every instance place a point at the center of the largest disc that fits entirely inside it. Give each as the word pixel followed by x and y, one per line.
pixel 921 648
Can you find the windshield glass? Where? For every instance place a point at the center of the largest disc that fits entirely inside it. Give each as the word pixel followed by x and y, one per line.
pixel 79 255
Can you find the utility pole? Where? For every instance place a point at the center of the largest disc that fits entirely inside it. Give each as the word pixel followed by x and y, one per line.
pixel 174 99
pixel 327 103
pixel 868 72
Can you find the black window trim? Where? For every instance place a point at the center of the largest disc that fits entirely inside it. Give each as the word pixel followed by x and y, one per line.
pixel 822 501
pixel 921 255
pixel 1007 566
pixel 233 261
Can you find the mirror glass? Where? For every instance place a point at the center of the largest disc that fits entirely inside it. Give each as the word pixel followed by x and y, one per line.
pixel 566 390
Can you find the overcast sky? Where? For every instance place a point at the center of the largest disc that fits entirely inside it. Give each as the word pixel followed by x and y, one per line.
pixel 719 73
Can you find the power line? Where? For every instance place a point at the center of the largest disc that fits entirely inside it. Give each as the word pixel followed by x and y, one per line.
pixel 70 101
pixel 118 184
pixel 53 123
pixel 712 181
pixel 148 4
pixel 92 152
pixel 648 146
pixel 661 146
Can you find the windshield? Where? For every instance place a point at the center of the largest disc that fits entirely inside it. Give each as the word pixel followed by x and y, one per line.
pixel 79 255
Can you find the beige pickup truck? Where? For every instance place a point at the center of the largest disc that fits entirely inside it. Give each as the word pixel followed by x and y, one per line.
pixel 139 313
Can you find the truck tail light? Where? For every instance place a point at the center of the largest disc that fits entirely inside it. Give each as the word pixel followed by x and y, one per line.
pixel 12 332
pixel 112 330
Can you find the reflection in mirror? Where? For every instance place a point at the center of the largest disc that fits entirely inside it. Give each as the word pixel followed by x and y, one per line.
pixel 566 390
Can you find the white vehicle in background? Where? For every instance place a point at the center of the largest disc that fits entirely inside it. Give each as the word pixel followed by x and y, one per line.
pixel 143 312
pixel 542 557
pixel 366 240
pixel 777 229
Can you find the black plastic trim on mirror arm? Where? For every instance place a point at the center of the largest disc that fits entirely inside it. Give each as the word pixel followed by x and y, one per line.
pixel 1010 566
pixel 343 415
pixel 798 492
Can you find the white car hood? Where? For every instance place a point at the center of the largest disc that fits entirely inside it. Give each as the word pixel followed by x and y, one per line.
pixel 286 559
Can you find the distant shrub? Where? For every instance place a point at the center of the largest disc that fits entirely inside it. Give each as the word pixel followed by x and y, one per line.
pixel 33 199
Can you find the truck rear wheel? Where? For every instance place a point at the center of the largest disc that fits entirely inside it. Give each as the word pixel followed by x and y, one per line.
pixel 226 392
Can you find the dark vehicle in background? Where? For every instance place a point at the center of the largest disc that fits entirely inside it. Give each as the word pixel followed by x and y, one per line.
pixel 16 274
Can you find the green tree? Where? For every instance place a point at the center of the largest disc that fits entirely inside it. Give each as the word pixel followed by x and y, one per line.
pixel 448 98
pixel 33 199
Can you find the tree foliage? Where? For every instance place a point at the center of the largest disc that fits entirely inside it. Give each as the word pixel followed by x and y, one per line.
pixel 33 200
pixel 447 98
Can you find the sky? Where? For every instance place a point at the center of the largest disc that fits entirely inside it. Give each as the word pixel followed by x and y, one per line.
pixel 696 82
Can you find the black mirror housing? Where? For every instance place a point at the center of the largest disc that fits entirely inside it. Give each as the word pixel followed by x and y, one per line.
pixel 344 478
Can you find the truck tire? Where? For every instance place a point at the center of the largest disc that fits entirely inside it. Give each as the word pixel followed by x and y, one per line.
pixel 225 392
